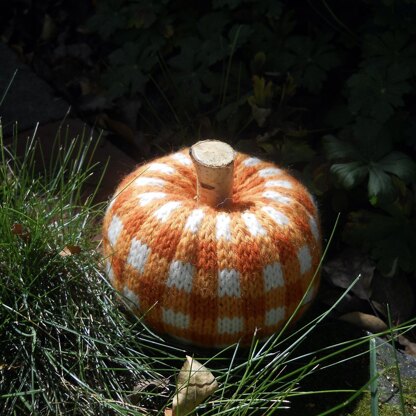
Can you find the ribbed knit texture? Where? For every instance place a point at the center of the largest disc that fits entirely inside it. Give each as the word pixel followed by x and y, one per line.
pixel 212 276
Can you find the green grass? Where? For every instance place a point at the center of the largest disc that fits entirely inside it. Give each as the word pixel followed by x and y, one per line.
pixel 68 344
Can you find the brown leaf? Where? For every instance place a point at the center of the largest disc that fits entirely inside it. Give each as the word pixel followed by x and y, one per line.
pixel 168 412
pixel 368 322
pixel 195 383
pixel 70 250
pixel 124 131
pixel 409 347
pixel 20 231
pixel 156 387
pixel 17 229
pixel 259 114
pixel 344 269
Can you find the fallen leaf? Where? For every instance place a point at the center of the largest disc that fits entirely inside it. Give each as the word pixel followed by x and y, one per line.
pixel 366 321
pixel 168 412
pixel 124 131
pixel 17 229
pixel 70 250
pixel 48 28
pixel 195 383
pixel 156 387
pixel 409 346
pixel 344 269
pixel 20 231
pixel 259 114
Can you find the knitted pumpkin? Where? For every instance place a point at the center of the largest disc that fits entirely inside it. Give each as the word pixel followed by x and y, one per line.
pixel 212 275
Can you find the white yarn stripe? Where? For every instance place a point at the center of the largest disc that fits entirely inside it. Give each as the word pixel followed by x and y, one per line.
pixel 229 283
pixel 177 319
pixel 223 228
pixel 280 184
pixel 277 197
pixel 114 230
pixel 138 255
pixel 274 316
pixel 110 205
pixel 251 161
pixel 109 271
pixel 230 325
pixel 161 167
pixel 144 181
pixel 194 220
pixel 181 158
pixel 270 172
pixel 131 296
pixel 253 225
pixel 273 276
pixel 305 259
pixel 163 213
pixel 276 216
pixel 148 197
pixel 314 228
pixel 180 276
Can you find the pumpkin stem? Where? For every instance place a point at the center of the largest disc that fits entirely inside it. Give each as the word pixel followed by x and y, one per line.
pixel 214 165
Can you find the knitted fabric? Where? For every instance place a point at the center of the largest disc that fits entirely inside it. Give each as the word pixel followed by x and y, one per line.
pixel 212 276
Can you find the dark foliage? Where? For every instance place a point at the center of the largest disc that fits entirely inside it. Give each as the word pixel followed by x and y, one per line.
pixel 325 88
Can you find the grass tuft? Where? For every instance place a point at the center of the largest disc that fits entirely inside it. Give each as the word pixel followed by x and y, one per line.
pixel 68 344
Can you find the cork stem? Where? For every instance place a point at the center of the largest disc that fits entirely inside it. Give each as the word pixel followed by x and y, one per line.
pixel 214 165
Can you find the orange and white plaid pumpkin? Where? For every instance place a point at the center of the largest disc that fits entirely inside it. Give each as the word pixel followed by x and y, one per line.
pixel 212 276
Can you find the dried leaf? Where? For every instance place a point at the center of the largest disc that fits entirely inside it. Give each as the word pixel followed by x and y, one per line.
pixel 70 250
pixel 409 347
pixel 17 229
pixel 344 269
pixel 121 129
pixel 48 28
pixel 368 322
pixel 156 387
pixel 259 114
pixel 195 384
pixel 20 231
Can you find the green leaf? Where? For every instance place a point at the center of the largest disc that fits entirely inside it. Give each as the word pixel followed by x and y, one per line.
pixel 310 59
pixel 380 185
pixel 238 35
pixel 389 49
pixel 296 151
pixel 376 93
pixel 400 165
pixel 350 174
pixel 212 51
pixel 339 149
pixel 185 60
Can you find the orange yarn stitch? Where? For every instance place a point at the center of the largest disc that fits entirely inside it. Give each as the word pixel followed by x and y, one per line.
pixel 208 276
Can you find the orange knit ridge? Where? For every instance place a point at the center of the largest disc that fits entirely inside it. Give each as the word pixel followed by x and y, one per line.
pixel 210 276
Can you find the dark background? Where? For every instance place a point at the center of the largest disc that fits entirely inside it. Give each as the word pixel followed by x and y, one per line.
pixel 323 88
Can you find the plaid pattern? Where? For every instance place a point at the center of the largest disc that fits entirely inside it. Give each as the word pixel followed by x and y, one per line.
pixel 211 276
